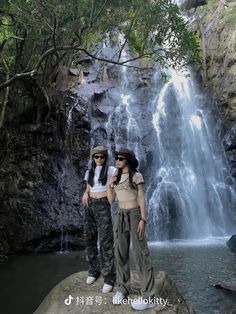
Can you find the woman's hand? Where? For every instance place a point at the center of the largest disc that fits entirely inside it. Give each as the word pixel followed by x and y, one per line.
pixel 85 199
pixel 141 228
pixel 111 195
pixel 111 180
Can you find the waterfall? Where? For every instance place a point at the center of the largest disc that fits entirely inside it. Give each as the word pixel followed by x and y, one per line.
pixel 192 193
pixel 122 124
pixel 189 196
pixel 189 189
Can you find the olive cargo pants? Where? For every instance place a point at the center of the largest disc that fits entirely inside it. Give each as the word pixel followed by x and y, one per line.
pixel 98 222
pixel 125 227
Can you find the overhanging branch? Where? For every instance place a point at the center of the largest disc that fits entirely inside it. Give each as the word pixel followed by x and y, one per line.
pixel 76 46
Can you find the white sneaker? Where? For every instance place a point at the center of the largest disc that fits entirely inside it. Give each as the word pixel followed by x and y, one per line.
pixel 141 305
pixel 107 288
pixel 118 297
pixel 90 280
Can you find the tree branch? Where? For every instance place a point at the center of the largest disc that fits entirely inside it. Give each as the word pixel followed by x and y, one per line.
pixel 130 29
pixel 6 40
pixel 100 11
pixel 50 51
pixel 5 99
pixel 91 13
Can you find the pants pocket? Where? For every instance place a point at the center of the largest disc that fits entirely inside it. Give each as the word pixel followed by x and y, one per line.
pixel 115 227
pixel 144 251
pixel 146 259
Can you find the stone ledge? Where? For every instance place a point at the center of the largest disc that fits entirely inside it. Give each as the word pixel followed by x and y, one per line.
pixel 95 302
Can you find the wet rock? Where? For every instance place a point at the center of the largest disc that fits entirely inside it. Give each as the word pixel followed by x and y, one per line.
pixel 189 4
pixel 56 241
pixel 104 75
pixel 229 143
pixel 99 135
pixel 43 182
pixel 231 243
pixel 229 140
pixel 215 28
pixel 98 95
pixel 169 299
pixel 84 59
pixel 75 71
pixel 99 113
pixel 229 286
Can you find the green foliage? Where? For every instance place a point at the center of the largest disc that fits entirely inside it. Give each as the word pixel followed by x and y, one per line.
pixel 229 16
pixel 226 14
pixel 46 24
pixel 38 36
pixel 6 33
pixel 212 4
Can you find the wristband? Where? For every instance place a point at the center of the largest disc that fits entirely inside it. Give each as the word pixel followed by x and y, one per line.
pixel 144 220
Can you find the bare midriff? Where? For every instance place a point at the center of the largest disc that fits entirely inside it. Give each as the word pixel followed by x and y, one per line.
pixel 98 194
pixel 128 204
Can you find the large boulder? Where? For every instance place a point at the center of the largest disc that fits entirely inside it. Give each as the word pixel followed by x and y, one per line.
pixel 228 286
pixel 81 298
pixel 231 243
pixel 189 4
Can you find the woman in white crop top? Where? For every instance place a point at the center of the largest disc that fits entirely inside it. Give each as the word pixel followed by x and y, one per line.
pixel 98 221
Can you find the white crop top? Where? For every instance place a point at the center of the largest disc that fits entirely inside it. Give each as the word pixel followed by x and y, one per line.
pixel 98 187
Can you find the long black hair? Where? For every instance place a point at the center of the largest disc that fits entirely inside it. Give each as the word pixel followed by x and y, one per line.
pixel 103 174
pixel 131 169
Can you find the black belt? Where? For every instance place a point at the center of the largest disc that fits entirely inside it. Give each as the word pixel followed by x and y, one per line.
pixel 98 199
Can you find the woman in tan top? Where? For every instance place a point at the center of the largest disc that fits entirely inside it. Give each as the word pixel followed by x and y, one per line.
pixel 127 185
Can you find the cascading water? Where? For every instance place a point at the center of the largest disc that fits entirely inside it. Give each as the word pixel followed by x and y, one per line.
pixel 121 123
pixel 190 192
pixel 189 196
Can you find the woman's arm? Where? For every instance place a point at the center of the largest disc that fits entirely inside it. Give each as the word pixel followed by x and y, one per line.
pixel 85 197
pixel 111 194
pixel 142 204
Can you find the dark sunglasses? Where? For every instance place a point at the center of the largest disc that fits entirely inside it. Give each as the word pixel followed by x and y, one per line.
pixel 99 156
pixel 120 158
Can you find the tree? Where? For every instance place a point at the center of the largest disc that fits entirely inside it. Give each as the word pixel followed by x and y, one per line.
pixel 37 36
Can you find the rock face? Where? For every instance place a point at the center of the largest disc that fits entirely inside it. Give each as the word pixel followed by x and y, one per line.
pixel 41 182
pixel 189 4
pixel 229 142
pixel 81 298
pixel 215 25
pixel 231 243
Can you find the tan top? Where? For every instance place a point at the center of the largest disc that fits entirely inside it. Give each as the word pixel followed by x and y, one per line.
pixel 123 189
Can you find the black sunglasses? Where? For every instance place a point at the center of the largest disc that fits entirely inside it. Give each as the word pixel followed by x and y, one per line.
pixel 120 158
pixel 99 156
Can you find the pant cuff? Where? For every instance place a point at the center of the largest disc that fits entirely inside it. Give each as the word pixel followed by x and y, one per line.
pixel 94 274
pixel 110 280
pixel 123 290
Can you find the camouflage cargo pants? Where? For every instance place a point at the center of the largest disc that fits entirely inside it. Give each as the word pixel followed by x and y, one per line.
pixel 125 229
pixel 98 224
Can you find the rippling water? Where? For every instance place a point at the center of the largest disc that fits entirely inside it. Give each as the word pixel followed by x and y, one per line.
pixel 27 279
pixel 195 266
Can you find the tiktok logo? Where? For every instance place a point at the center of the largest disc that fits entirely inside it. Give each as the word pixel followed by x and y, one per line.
pixel 68 300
